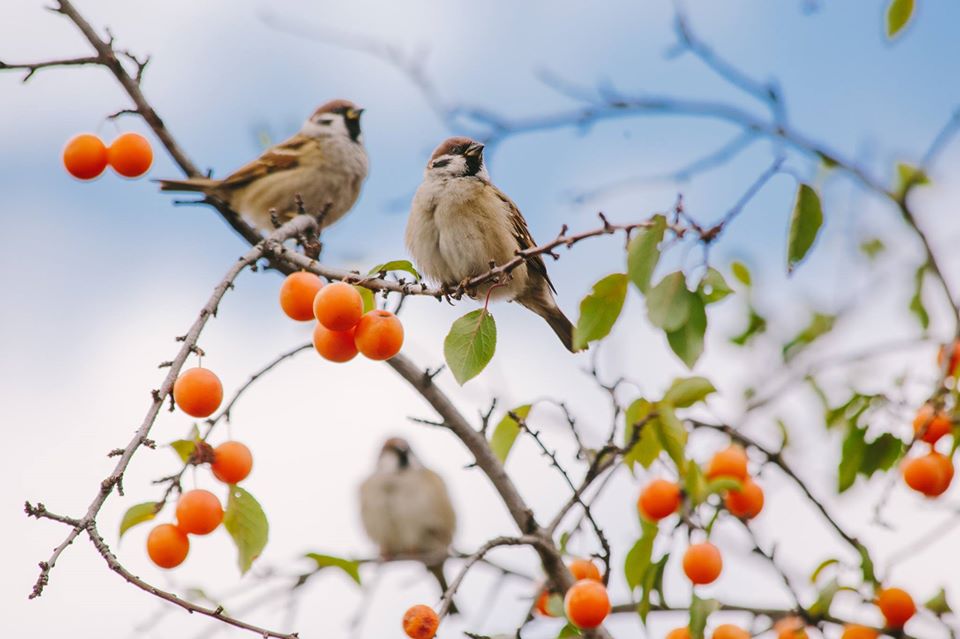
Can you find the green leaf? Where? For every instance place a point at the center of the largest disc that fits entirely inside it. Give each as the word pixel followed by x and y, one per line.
pixel 851 457
pixel 647 447
pixel 823 566
pixel 352 568
pixel 638 559
pixel 908 177
pixel 247 524
pixel 669 302
pixel 742 273
pixel 804 225
pixel 916 302
pixel 369 301
pixel 672 435
pixel 899 13
pixel 687 341
pixel 713 287
pixel 687 391
pixel 784 433
pixel 470 345
pixel 600 309
pixel 720 485
pixel 700 609
pixel 643 253
pixel 395 265
pixel 872 247
pixel 881 454
pixel 756 324
pixel 506 432
pixel 568 630
pixel 555 605
pixel 860 457
pixel 138 514
pixel 694 484
pixel 866 565
pixel 183 448
pixel 824 599
pixel 652 580
pixel 820 324
pixel 938 604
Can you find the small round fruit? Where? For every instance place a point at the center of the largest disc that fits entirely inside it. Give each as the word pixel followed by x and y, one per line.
pixel 853 631
pixel 930 474
pixel 586 603
pixel 730 631
pixel 167 546
pixel 338 306
pixel 946 466
pixel 683 632
pixel 198 392
pixel 747 502
pixel 336 346
pixel 896 605
pixel 130 155
pixel 379 335
pixel 658 499
pixel 702 563
pixel 232 462
pixel 420 622
pixel 790 628
pixel 585 569
pixel 543 604
pixel 729 462
pixel 297 293
pixel 953 367
pixel 85 156
pixel 199 512
pixel 933 425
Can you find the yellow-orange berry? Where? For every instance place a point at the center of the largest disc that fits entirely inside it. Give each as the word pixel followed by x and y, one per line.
pixel 896 605
pixel 853 631
pixel 167 546
pixel 335 346
pixel 730 631
pixel 420 622
pixel 933 425
pixel 379 335
pixel 198 392
pixel 683 632
pixel 790 628
pixel 658 499
pixel 338 306
pixel 297 294
pixel 584 569
pixel 729 462
pixel 702 563
pixel 232 462
pixel 130 155
pixel 85 156
pixel 586 603
pixel 198 512
pixel 746 502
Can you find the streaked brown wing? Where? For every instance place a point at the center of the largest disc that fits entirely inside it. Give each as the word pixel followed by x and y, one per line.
pixel 277 158
pixel 524 239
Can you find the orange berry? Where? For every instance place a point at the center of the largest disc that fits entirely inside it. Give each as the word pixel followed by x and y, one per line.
pixel 934 426
pixel 420 622
pixel 730 631
pixel 338 306
pixel 585 569
pixel 232 462
pixel 543 604
pixel 336 346
pixel 896 605
pixel 946 466
pixel 199 512
pixel 85 156
pixel 790 628
pixel 297 293
pixel 702 563
pixel 658 499
pixel 746 502
pixel 198 392
pixel 167 546
pixel 853 631
pixel 683 632
pixel 586 603
pixel 953 368
pixel 130 155
pixel 930 474
pixel 729 462
pixel 379 335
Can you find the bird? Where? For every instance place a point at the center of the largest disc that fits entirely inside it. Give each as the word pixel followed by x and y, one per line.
pixel 406 510
pixel 325 163
pixel 460 223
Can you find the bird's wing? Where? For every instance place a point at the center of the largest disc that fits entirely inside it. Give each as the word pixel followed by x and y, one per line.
pixel 280 157
pixel 442 519
pixel 522 234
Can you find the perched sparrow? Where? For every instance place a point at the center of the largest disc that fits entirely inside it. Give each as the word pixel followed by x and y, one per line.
pixel 406 510
pixel 325 163
pixel 460 222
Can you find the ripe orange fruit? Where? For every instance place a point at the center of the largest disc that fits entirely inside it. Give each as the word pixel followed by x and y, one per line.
pixel 953 368
pixel 702 563
pixel 85 156
pixel 379 335
pixel 585 569
pixel 198 392
pixel 682 632
pixel 946 466
pixel 730 631
pixel 729 462
pixel 543 604
pixel 790 628
pixel 930 474
pixel 420 622
pixel 167 546
pixel 338 306
pixel 297 293
pixel 586 603
pixel 934 426
pixel 658 499
pixel 336 346
pixel 199 512
pixel 130 155
pixel 853 631
pixel 896 605
pixel 746 502
pixel 232 462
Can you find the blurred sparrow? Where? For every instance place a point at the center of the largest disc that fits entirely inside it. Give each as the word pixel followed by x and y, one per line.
pixel 325 163
pixel 406 509
pixel 460 222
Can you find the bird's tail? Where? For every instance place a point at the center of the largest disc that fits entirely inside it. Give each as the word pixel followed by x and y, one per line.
pixel 437 571
pixel 546 307
pixel 200 185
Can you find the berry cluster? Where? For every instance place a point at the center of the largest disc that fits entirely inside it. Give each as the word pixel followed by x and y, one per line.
pixel 86 156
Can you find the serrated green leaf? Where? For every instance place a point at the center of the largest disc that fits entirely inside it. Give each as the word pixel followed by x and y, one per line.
pixel 916 302
pixel 700 610
pixel 687 391
pixel 138 514
pixel 506 431
pixel 669 302
pixel 247 524
pixel 872 247
pixel 742 273
pixel 805 223
pixel 638 559
pixel 672 435
pixel 600 309
pixel 395 265
pixel 899 13
pixel 820 324
pixel 826 563
pixel 713 287
pixel 756 324
pixel 470 345
pixel 369 301
pixel 350 567
pixel 647 447
pixel 183 448
pixel 687 341
pixel 643 253
pixel 938 604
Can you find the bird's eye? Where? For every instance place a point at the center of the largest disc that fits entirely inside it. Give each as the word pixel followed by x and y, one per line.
pixel 460 150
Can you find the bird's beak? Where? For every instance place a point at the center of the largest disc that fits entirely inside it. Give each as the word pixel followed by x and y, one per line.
pixel 354 114
pixel 474 150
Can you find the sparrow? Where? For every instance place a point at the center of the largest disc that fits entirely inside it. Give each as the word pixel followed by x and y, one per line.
pixel 460 222
pixel 325 163
pixel 406 510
